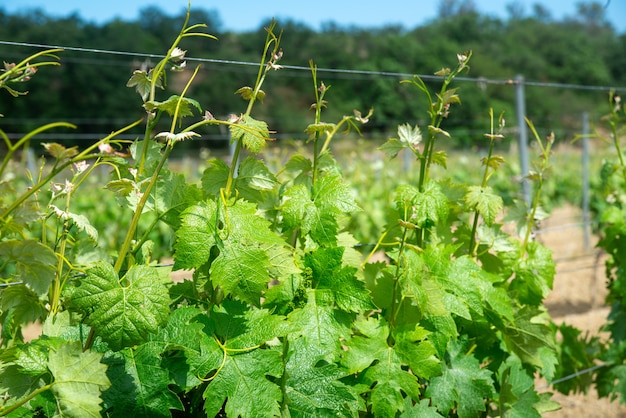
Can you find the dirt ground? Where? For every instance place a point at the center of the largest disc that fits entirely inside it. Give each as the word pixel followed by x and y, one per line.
pixel 577 299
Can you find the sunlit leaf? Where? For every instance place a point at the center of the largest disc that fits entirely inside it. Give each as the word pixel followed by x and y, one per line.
pixel 253 133
pixel 35 263
pixel 123 313
pixel 79 380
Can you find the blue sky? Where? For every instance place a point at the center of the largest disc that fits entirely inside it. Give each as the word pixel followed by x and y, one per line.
pixel 248 14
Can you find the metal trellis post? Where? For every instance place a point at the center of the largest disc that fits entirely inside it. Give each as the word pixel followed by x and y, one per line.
pixel 520 105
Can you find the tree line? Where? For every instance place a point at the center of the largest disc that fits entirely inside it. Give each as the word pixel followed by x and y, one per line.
pixel 89 88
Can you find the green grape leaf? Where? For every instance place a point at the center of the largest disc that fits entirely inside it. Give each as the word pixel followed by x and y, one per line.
pixel 244 225
pixel 152 156
pixel 189 351
pixel 321 327
pixel 611 382
pixel 241 271
pixel 170 196
pixel 62 326
pixel 242 386
pixel 297 207
pixel 372 332
pixel 314 388
pixel 79 379
pixel 214 177
pixel 381 367
pixel 576 353
pixel 418 353
pixel 80 221
pixel 409 135
pixel 139 383
pixel 35 263
pixel 393 147
pixel 495 161
pixel 14 383
pixel 534 275
pixel 316 214
pixel 141 82
pixel 431 206
pixel 494 238
pixel 282 262
pixel 517 391
pixel 253 133
pixel 421 409
pixel 123 315
pixel 380 282
pixel 243 265
pixel 468 285
pixel 256 183
pixel 348 292
pixel 464 384
pixel 256 174
pixel 59 152
pixel 44 404
pixel 529 334
pixel 485 202
pixel 426 208
pixel 172 103
pixel 32 358
pixel 440 158
pixel 245 92
pixel 331 194
pixel 196 235
pixel 83 224
pixel 24 304
pixel 324 229
pixel 320 127
pixel 298 166
pixel 21 218
pixel 121 187
pixel 241 326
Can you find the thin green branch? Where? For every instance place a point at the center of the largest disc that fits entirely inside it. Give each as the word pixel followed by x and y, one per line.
pixel 11 148
pixel 7 410
pixel 473 244
pixel 180 99
pixel 85 155
pixel 264 68
pixel 140 205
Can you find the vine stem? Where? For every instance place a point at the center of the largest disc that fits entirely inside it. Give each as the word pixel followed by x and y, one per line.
pixel 531 216
pixel 544 166
pixel 133 227
pixel 319 96
pixel 56 288
pixel 32 395
pixel 473 245
pixel 155 175
pixel 83 156
pixel 231 170
pixel 11 148
pixel 142 202
pixel 264 68
pixel 618 147
pixel 159 70
pixel 283 384
pixel 396 279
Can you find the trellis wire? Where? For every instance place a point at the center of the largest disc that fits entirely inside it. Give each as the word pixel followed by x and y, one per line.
pixel 510 81
pixel 573 375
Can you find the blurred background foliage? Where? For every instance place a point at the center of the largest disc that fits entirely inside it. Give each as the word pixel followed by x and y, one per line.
pixel 88 88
